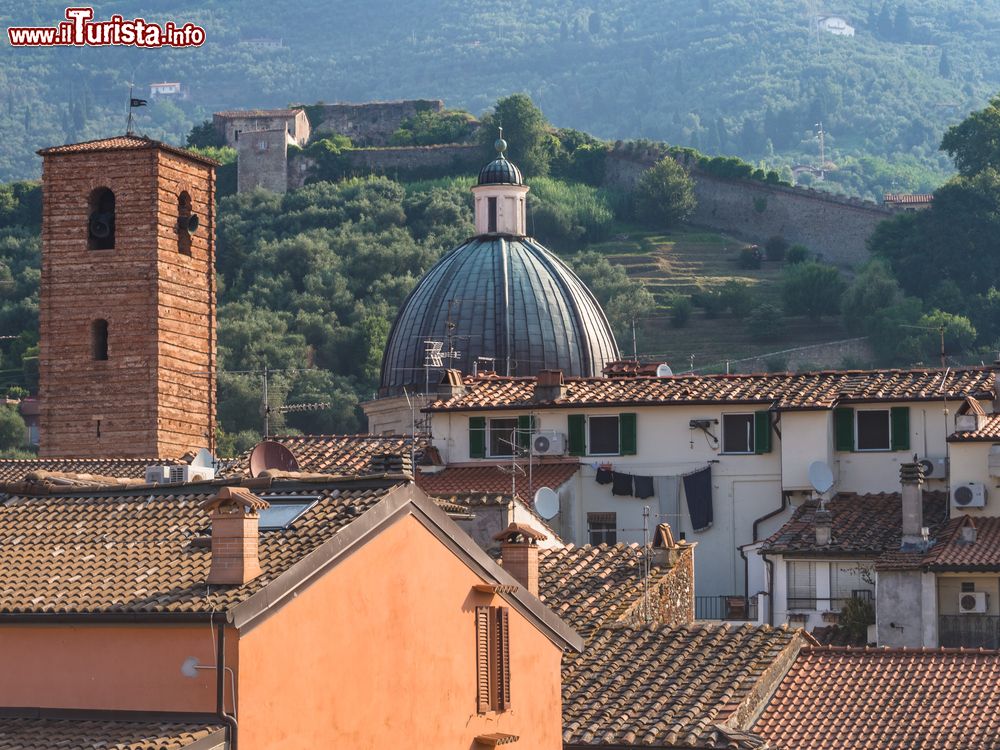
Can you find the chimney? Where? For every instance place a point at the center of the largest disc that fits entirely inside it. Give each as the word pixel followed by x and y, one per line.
pixel 235 559
pixel 549 386
pixel 969 533
pixel 665 550
pixel 823 521
pixel 519 552
pixel 911 477
pixel 451 385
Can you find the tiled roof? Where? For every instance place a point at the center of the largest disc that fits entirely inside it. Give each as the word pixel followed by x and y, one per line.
pixel 133 552
pixel 952 553
pixel 989 432
pixel 124 143
pixel 44 733
pixel 240 113
pixel 592 585
pixel 670 687
pixel 908 198
pixel 811 390
pixel 15 470
pixel 834 635
pixel 865 525
pixel 343 455
pixel 495 478
pixel 867 699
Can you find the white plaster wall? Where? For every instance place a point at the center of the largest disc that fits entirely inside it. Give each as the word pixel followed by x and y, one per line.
pixel 511 211
pixel 806 436
pixel 949 587
pixel 970 463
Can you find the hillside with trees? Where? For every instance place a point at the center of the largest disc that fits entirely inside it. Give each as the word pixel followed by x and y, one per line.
pixel 723 76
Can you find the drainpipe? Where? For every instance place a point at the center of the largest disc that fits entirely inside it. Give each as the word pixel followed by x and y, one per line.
pixel 770 589
pixel 220 688
pixel 769 563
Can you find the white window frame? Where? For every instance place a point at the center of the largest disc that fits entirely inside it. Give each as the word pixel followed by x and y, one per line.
pixel 857 442
pixel 618 423
pixel 751 438
pixel 512 432
pixel 790 595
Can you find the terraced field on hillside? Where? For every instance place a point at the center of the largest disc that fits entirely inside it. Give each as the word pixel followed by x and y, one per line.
pixel 685 262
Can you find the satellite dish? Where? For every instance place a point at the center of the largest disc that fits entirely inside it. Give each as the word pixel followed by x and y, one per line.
pixel 203 458
pixel 190 667
pixel 546 502
pixel 820 476
pixel 663 371
pixel 268 454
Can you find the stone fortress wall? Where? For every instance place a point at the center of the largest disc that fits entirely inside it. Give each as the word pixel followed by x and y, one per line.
pixel 371 123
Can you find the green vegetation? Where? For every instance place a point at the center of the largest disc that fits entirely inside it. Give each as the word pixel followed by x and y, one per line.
pixel 665 194
pixel 432 128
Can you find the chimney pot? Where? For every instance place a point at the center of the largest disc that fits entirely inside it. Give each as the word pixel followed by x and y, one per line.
pixel 235 535
pixel 549 386
pixel 824 527
pixel 911 479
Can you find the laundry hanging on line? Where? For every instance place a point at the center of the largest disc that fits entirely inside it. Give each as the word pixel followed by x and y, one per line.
pixel 621 484
pixel 642 487
pixel 603 475
pixel 698 491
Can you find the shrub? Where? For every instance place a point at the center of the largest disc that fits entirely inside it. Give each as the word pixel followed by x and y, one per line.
pixel 567 213
pixel 812 289
pixel 776 247
pixel 797 254
pixel 665 194
pixel 680 312
pixel 750 257
pixel 855 617
pixel 765 323
pixel 737 297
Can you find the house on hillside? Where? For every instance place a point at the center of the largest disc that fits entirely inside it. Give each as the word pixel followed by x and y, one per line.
pixel 166 612
pixel 836 25
pixel 724 459
pixel 168 89
pixel 908 201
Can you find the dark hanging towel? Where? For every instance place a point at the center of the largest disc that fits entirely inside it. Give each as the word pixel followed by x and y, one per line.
pixel 621 484
pixel 604 476
pixel 698 490
pixel 643 487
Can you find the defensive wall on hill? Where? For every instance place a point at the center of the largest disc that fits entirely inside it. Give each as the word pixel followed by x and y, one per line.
pixel 410 161
pixel 833 227
pixel 371 123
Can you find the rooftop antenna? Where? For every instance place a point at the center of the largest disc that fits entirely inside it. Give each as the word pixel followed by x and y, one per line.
pixel 822 150
pixel 133 102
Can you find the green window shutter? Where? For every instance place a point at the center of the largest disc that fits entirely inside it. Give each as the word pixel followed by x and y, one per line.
pixel 577 424
pixel 762 432
pixel 526 425
pixel 899 418
pixel 843 429
pixel 477 437
pixel 626 434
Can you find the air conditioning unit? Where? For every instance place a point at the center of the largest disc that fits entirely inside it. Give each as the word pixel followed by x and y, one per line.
pixel 972 602
pixel 178 474
pixel 968 495
pixel 548 443
pixel 935 467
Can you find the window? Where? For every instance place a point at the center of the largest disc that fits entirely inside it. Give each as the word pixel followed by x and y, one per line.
pixel 801 584
pixel 602 436
pixel 101 220
pixel 283 512
pixel 848 581
pixel 99 339
pixel 737 433
pixel 492 659
pixel 184 223
pixel 491 213
pixel 873 430
pixel 602 528
pixel 503 437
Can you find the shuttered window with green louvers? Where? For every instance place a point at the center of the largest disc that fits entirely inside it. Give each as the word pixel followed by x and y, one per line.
pixel 762 432
pixel 843 428
pixel 577 429
pixel 627 438
pixel 477 437
pixel 900 421
pixel 527 425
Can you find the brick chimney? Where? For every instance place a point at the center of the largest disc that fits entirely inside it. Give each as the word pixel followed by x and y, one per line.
pixel 519 554
pixel 235 558
pixel 911 478
pixel 549 386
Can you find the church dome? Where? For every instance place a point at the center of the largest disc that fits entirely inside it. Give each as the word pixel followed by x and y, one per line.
pixel 500 172
pixel 508 299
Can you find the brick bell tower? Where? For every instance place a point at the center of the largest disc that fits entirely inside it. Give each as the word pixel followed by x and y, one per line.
pixel 127 307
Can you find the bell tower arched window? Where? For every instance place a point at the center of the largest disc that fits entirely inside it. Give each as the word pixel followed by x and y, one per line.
pixel 101 220
pixel 184 223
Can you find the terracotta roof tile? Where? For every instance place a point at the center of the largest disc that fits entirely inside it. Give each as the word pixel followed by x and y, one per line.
pixel 592 585
pixel 37 733
pixel 953 553
pixel 989 432
pixel 908 198
pixel 495 478
pixel 124 143
pixel 810 390
pixel 867 525
pixel 15 470
pixel 669 687
pixel 133 551
pixel 867 699
pixel 343 455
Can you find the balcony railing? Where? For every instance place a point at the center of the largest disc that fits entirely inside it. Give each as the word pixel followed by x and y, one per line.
pixel 725 607
pixel 828 604
pixel 971 631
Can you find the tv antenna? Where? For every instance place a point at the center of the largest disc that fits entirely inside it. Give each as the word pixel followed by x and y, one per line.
pixel 822 150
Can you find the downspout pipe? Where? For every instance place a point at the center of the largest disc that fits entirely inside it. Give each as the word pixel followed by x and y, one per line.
pixel 220 688
pixel 770 588
pixel 768 563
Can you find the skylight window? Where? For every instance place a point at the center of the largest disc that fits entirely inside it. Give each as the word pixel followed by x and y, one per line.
pixel 284 511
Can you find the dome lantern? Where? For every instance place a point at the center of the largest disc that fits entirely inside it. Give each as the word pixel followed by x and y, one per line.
pixel 500 196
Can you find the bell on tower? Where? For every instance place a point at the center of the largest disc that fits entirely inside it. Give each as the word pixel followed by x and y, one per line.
pixel 127 302
pixel 500 195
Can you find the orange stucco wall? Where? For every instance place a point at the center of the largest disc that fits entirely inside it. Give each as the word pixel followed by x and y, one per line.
pixel 380 653
pixel 117 667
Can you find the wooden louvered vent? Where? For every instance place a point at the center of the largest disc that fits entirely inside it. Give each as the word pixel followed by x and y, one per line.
pixel 492 659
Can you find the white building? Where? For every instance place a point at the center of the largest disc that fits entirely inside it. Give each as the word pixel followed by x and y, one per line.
pixel 757 435
pixel 168 89
pixel 836 25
